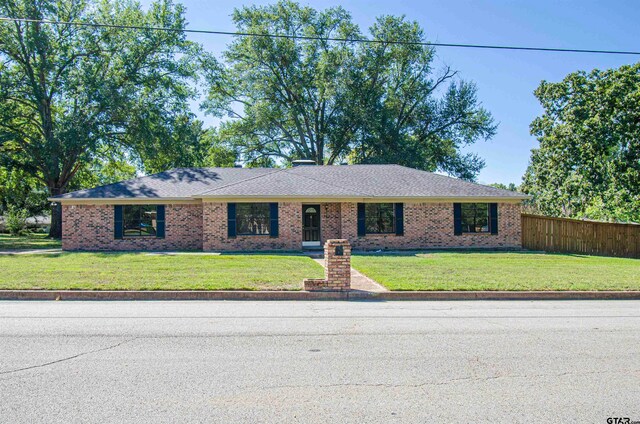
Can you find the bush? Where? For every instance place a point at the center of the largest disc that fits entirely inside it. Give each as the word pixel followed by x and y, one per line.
pixel 16 221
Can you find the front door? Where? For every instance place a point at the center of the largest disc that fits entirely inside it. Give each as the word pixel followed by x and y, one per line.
pixel 311 225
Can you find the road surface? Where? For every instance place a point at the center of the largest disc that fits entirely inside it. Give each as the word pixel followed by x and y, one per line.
pixel 319 362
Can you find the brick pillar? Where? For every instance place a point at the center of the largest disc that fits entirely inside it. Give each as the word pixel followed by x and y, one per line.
pixel 337 270
pixel 337 259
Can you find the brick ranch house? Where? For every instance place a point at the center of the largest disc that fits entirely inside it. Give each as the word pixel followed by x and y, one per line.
pixel 235 209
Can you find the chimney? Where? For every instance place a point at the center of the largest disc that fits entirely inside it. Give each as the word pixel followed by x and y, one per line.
pixel 303 162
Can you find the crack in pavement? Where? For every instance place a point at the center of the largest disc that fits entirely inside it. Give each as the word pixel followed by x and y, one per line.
pixel 450 381
pixel 46 364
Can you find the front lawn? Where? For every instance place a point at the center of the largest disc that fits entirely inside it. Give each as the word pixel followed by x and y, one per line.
pixel 34 241
pixel 499 271
pixel 140 271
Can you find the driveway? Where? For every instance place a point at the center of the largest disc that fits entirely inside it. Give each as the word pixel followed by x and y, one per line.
pixel 319 362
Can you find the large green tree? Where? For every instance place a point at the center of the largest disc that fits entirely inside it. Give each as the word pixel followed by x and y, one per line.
pixel 330 101
pixel 588 162
pixel 72 96
pixel 19 190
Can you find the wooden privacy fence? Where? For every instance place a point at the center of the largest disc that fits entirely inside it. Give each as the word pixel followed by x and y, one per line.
pixel 577 236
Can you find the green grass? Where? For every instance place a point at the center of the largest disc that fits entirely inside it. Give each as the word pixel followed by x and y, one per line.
pixel 140 271
pixel 34 241
pixel 500 271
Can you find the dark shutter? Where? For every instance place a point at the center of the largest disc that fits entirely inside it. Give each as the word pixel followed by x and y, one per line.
pixel 399 219
pixel 231 220
pixel 493 217
pixel 273 215
pixel 117 221
pixel 457 219
pixel 362 228
pixel 160 221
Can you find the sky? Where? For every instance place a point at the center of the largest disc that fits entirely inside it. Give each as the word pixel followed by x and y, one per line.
pixel 505 79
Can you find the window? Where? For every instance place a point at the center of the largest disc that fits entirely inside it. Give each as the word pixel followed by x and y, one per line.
pixel 379 218
pixel 252 218
pixel 139 220
pixel 475 217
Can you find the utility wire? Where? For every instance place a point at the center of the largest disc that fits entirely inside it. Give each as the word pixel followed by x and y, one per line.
pixel 305 37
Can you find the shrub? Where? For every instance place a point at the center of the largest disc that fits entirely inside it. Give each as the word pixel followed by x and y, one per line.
pixel 16 221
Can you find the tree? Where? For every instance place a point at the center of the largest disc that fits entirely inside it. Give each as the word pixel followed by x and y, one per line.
pixel 72 96
pixel 20 191
pixel 101 172
pixel 510 186
pixel 332 101
pixel 588 162
pixel 400 116
pixel 217 153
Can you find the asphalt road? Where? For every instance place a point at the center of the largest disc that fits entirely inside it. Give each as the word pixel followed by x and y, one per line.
pixel 324 362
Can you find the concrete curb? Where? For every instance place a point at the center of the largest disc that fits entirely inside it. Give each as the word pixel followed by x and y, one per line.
pixel 167 295
pixel 505 295
pixel 319 295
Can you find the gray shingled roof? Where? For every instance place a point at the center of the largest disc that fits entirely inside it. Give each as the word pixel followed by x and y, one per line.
pixel 175 183
pixel 345 181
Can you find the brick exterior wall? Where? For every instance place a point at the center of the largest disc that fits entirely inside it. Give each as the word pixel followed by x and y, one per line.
pixel 349 222
pixel 430 225
pixel 204 227
pixel 214 218
pixel 91 227
pixel 330 222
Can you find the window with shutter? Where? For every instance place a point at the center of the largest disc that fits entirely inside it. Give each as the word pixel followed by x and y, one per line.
pixel 253 219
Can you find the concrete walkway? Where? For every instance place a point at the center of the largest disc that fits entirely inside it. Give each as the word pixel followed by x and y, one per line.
pixel 360 281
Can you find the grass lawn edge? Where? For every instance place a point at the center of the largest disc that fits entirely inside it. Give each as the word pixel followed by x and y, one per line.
pixel 96 272
pixel 493 271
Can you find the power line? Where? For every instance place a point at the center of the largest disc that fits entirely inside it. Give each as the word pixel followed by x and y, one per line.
pixel 337 39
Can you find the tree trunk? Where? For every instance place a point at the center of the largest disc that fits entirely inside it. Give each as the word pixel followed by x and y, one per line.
pixel 55 230
pixel 319 157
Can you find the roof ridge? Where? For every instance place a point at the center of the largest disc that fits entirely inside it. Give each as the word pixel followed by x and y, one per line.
pixel 326 183
pixel 275 170
pixel 460 180
pixel 467 181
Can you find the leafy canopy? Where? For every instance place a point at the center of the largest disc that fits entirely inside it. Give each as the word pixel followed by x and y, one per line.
pixel 332 101
pixel 73 96
pixel 20 191
pixel 588 162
